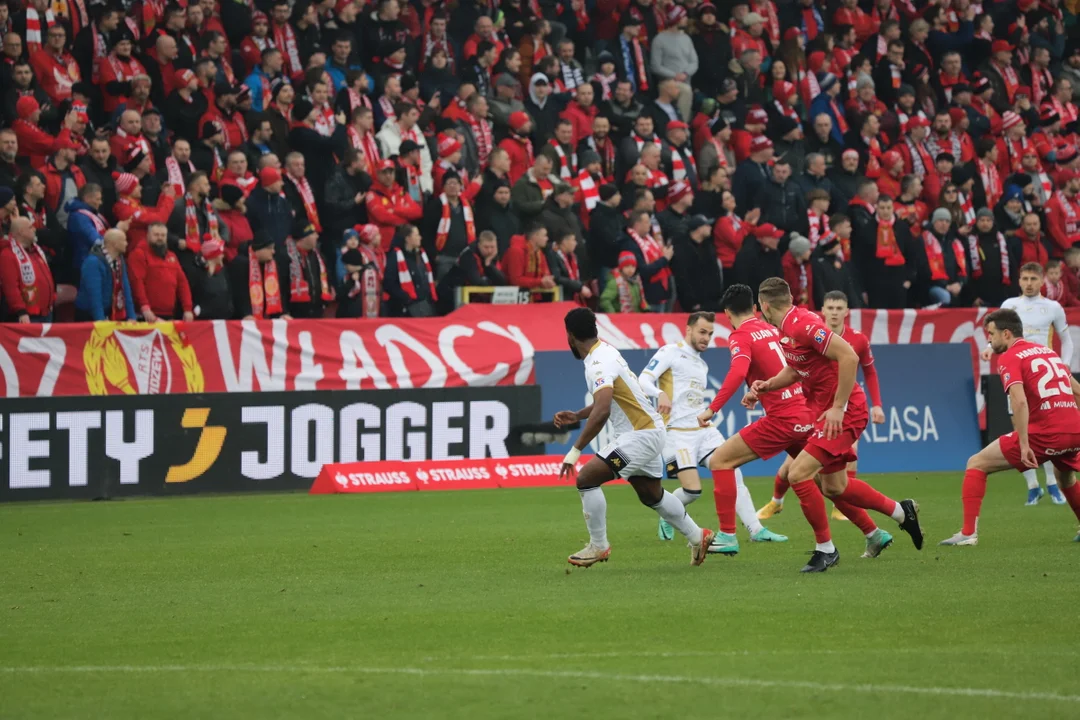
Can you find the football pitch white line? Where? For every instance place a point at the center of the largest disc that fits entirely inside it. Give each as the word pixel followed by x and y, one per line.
pixel 762 653
pixel 729 682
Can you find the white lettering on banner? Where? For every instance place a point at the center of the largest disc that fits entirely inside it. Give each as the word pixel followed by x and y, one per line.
pixel 442 439
pixel 912 424
pixel 611 334
pixel 128 454
pixel 389 336
pixel 21 450
pixel 11 375
pixel 353 349
pixel 78 426
pixel 56 350
pixel 302 417
pixel 513 332
pixel 311 372
pixel 351 415
pixel 397 438
pixel 447 336
pixel 274 466
pixel 241 376
pixel 358 479
pixel 452 474
pixel 487 439
pixel 511 469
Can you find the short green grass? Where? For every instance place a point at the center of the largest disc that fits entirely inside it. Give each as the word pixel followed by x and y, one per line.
pixel 460 604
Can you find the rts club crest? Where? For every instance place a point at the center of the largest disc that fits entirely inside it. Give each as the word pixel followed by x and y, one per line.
pixel 137 359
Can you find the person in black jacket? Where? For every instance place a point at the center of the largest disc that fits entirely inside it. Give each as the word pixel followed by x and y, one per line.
pixel 887 257
pixel 543 108
pixel 317 149
pixel 241 278
pixel 307 297
pixel 211 294
pixel 416 297
pixel 752 174
pixel 991 287
pixel 345 197
pixel 606 225
pixel 830 270
pixel 499 217
pixel 943 279
pixel 563 264
pixel 656 271
pixel 782 200
pixel 674 220
pixel 268 210
pixel 760 258
pixel 699 282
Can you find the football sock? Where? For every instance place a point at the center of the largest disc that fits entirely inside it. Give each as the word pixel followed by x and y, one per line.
pixel 1051 478
pixel 858 517
pixel 725 493
pixel 1032 479
pixel 675 513
pixel 780 488
pixel 686 496
pixel 1072 494
pixel 860 494
pixel 744 505
pixel 813 506
pixel 594 505
pixel 972 494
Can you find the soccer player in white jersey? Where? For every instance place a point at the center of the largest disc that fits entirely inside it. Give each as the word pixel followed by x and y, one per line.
pixel 1042 318
pixel 635 454
pixel 678 378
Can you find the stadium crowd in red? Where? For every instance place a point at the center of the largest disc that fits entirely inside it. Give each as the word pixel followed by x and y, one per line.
pixel 224 159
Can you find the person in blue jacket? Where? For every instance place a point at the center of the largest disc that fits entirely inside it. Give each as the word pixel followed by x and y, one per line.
pixel 96 299
pixel 827 103
pixel 86 225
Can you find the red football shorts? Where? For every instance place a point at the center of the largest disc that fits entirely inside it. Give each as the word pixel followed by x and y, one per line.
pixel 1063 450
pixel 769 436
pixel 834 455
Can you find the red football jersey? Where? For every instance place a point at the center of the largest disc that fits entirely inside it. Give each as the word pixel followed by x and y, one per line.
pixel 1045 376
pixel 860 344
pixel 806 338
pixel 759 342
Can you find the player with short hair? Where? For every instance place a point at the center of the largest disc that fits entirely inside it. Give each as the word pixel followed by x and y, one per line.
pixel 826 366
pixel 678 378
pixel 1044 397
pixel 756 355
pixel 1042 318
pixel 635 454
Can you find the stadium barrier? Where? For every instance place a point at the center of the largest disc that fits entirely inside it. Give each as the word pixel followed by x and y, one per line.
pixel 100 447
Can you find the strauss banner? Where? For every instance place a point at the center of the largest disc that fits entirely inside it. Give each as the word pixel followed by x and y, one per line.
pixel 477 346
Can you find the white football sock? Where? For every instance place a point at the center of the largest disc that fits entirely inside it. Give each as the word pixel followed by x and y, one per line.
pixel 1032 479
pixel 898 513
pixel 1051 478
pixel 686 496
pixel 778 501
pixel 675 513
pixel 744 505
pixel 827 547
pixel 594 505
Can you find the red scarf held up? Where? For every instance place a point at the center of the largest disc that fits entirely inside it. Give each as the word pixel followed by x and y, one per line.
pixel 888 250
pixel 299 288
pixel 265 294
pixel 652 251
pixel 442 231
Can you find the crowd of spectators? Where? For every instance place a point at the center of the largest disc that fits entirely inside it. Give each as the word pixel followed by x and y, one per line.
pixel 366 158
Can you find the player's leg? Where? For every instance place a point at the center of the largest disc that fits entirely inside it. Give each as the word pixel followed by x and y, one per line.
pixel 744 508
pixel 1052 487
pixel 595 473
pixel 687 493
pixel 651 493
pixel 999 455
pixel 1070 490
pixel 1035 493
pixel 775 506
pixel 680 462
pixel 724 460
pixel 812 503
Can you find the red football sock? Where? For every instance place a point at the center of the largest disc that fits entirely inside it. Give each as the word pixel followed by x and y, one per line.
pixel 972 493
pixel 725 491
pixel 813 506
pixel 858 517
pixel 1072 494
pixel 780 487
pixel 862 495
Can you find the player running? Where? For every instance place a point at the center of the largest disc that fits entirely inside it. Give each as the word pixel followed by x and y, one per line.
pixel 756 355
pixel 835 311
pixel 1042 317
pixel 826 365
pixel 1044 398
pixel 636 452
pixel 678 378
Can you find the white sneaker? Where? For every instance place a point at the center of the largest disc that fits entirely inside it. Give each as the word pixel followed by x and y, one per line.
pixel 589 556
pixel 961 539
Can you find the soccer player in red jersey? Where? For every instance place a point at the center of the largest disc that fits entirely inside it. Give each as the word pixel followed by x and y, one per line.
pixel 1044 397
pixel 826 366
pixel 756 355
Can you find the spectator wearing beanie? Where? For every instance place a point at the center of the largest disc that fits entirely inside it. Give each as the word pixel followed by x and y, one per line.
pixel 257 293
pixel 268 210
pixel 1009 213
pixel 231 207
pixel 448 225
pixel 129 207
pixel 305 282
pixel 185 105
pixel 193 221
pixel 830 270
pixel 359 292
pixel 518 145
pixel 759 257
pixel 29 291
pixel 409 283
pixel 947 261
pixel 498 214
pixel 158 283
pixel 752 174
pixel 699 282
pixel 211 293
pixel 623 292
pixel 798 272
pixel 675 218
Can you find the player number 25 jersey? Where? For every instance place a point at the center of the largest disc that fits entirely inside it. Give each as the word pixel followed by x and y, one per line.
pixel 631 409
pixel 1045 378
pixel 679 371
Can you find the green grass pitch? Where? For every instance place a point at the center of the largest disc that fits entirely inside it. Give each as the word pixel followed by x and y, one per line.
pixel 461 605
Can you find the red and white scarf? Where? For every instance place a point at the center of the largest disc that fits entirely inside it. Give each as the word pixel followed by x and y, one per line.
pixel 991 181
pixel 1054 291
pixel 368 144
pixel 935 255
pixel 1012 81
pixel 607 155
pixel 325 122
pixel 33 27
pixel 639 65
pixel 96 219
pixel 303 187
pixel 124 68
pixel 772 22
pixel 1041 82
pixel 888 250
pixel 1066 111
pixel 191 223
pixel 357 100
pixel 118 311
pixel 1072 223
pixel 485 141
pixel 606 83
pixel 176 176
pixel 966 208
pixel 567 166
pixel 570 262
pixel 934 145
pixel 387 107
pixel 28 276
pixel 921 159
pixel 652 251
pixel 626 296
pixel 590 191
pixel 639 141
pixel 405 277
pixel 787 111
pixel 268 301
pixel 101 51
pixel 430 45
pixel 285 38
pixel 819 227
pixel 977 257
pixel 678 164
pixel 299 289
pixel 442 231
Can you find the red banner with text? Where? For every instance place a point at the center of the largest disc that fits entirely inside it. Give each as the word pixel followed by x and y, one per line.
pixel 478 345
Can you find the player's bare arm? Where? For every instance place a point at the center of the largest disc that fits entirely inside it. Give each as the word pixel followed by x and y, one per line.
pixel 1020 422
pixel 569 417
pixel 847 366
pixel 598 414
pixel 786 377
